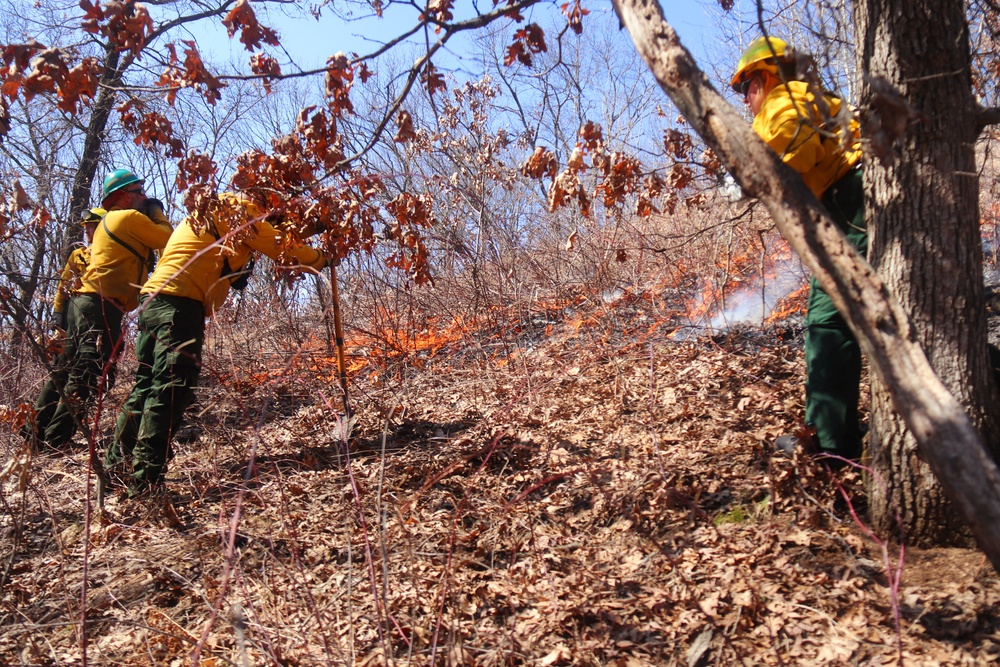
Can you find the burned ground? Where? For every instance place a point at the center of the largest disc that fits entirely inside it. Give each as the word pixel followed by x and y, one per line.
pixel 566 495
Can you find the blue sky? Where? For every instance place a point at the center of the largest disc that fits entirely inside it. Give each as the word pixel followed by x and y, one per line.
pixel 310 42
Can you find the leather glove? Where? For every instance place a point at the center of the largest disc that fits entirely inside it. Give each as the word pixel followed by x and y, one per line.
pixel 153 207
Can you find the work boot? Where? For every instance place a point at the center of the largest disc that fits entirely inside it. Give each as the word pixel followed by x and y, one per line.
pixel 35 439
pixel 838 459
pixel 831 458
pixel 139 488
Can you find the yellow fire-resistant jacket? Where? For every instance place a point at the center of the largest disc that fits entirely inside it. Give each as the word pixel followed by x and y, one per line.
pixel 191 265
pixel 116 273
pixel 793 126
pixel 71 278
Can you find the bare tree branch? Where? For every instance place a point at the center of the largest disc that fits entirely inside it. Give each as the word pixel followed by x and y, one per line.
pixel 449 31
pixel 987 117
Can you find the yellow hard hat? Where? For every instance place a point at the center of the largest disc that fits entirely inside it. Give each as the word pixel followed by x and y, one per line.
pixel 94 216
pixel 762 54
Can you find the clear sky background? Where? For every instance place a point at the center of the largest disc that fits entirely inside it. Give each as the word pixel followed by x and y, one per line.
pixel 310 42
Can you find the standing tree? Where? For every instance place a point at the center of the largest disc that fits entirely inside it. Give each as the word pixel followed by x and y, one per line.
pixel 923 121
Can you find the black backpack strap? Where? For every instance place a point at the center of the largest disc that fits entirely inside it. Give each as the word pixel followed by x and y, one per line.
pixel 226 270
pixel 237 278
pixel 148 261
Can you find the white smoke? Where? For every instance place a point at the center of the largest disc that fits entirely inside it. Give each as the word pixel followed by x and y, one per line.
pixel 754 302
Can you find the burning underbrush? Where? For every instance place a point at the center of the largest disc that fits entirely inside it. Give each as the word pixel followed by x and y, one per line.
pixel 750 298
pixel 575 484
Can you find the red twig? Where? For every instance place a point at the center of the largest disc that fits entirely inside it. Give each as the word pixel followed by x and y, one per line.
pixel 894 576
pixel 94 466
pixel 547 480
pixel 373 577
pixel 451 545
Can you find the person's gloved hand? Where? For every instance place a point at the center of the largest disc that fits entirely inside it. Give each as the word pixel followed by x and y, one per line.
pixel 153 207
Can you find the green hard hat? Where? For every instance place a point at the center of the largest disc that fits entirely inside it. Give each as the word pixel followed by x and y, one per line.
pixel 118 179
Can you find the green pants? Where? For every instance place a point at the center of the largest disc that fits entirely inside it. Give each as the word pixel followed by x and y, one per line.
pixel 833 357
pixel 85 368
pixel 168 349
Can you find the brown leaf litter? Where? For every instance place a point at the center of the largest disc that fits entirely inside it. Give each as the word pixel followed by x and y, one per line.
pixel 586 502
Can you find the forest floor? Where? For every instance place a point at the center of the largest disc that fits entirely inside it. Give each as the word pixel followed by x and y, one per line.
pixel 586 492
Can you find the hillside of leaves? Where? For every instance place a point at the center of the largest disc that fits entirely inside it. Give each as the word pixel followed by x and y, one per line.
pixel 583 483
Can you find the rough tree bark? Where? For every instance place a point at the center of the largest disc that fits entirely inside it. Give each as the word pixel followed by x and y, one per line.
pixel 946 437
pixel 83 179
pixel 923 194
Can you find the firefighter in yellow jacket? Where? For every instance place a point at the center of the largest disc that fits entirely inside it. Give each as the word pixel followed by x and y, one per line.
pixel 69 282
pixel 121 256
pixel 191 281
pixel 810 135
pixel 71 277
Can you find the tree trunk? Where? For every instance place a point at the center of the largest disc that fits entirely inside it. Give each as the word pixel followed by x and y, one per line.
pixel 922 190
pixel 83 179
